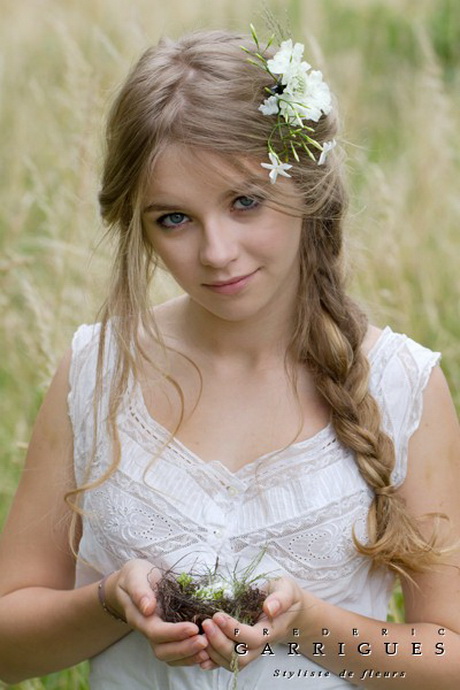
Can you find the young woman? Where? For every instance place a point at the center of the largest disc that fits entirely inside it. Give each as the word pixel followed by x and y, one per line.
pixel 256 414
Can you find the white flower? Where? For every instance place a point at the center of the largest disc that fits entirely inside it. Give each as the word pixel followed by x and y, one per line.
pixel 287 57
pixel 299 95
pixel 327 146
pixel 270 106
pixel 276 167
pixel 219 588
pixel 305 96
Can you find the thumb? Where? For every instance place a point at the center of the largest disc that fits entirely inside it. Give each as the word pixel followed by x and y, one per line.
pixel 280 597
pixel 140 585
pixel 147 604
pixel 272 606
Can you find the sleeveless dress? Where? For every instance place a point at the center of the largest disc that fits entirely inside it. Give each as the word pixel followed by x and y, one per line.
pixel 300 504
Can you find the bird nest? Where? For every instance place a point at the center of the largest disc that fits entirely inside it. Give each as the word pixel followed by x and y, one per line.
pixel 194 596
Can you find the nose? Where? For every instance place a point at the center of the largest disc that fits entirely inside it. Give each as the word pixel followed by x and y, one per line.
pixel 219 243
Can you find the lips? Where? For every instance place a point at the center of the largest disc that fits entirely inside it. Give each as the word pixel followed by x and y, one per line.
pixel 232 285
pixel 230 281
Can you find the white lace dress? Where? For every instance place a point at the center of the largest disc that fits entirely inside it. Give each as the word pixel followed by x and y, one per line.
pixel 300 503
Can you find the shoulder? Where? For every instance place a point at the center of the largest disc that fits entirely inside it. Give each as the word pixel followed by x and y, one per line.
pixel 83 352
pixel 83 369
pixel 400 367
pixel 435 444
pixel 371 338
pixel 394 355
pixel 85 344
pixel 400 371
pixel 86 335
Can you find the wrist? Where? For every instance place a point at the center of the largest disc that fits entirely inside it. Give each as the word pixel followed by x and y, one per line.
pixel 105 602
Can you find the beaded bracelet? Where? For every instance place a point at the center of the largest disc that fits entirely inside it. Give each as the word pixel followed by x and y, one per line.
pixel 103 603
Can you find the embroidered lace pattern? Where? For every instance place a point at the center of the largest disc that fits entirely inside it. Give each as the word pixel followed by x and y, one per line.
pixel 301 503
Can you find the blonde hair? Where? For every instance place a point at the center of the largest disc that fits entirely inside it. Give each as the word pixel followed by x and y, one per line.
pixel 203 92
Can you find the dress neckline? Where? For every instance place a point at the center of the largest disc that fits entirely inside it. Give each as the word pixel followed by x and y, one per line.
pixel 321 438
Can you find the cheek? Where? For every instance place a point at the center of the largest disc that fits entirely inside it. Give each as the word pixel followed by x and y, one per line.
pixel 282 241
pixel 175 258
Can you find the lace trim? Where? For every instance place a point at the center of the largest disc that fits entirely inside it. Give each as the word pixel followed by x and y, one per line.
pixel 127 517
pixel 126 523
pixel 149 434
pixel 152 437
pixel 318 546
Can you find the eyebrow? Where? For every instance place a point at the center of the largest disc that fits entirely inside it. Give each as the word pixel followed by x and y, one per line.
pixel 250 185
pixel 160 207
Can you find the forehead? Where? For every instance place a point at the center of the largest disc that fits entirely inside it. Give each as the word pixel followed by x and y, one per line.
pixel 183 175
pixel 179 165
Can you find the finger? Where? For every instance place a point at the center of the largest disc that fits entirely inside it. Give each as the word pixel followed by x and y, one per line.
pixel 201 659
pixel 221 649
pixel 138 586
pixel 161 632
pixel 208 665
pixel 250 636
pixel 283 595
pixel 272 605
pixel 183 652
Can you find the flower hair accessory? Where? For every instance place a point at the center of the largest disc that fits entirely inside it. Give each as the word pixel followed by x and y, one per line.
pixel 298 95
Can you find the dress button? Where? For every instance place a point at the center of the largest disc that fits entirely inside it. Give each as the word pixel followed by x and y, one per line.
pixel 232 490
pixel 217 532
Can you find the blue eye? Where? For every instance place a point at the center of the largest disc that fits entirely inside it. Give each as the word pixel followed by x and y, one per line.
pixel 246 203
pixel 172 220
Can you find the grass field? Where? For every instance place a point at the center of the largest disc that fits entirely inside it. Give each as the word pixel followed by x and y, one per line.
pixel 394 66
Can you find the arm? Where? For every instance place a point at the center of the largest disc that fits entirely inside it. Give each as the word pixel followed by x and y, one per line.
pixel 431 486
pixel 46 624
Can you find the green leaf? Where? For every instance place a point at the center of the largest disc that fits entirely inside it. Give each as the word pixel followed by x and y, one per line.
pixel 254 35
pixel 294 152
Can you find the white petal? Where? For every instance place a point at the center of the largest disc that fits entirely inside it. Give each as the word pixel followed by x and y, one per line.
pixel 274 158
pixel 282 171
pixel 327 146
pixel 269 106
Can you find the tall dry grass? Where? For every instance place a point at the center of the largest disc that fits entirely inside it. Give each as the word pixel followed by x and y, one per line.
pixel 394 67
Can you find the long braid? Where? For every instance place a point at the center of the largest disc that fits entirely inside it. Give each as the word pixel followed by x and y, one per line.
pixel 328 338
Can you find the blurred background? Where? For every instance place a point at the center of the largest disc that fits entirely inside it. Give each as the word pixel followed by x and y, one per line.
pixel 394 66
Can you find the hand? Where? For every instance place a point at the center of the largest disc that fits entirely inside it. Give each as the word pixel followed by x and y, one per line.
pixel 129 592
pixel 281 610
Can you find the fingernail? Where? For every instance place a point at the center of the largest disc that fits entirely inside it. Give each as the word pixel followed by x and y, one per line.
pixel 273 607
pixel 144 604
pixel 208 626
pixel 219 618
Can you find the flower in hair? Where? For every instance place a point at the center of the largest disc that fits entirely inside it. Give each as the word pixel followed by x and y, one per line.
pixel 327 146
pixel 298 95
pixel 276 167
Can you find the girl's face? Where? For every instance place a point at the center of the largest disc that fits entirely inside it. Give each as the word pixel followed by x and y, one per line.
pixel 225 245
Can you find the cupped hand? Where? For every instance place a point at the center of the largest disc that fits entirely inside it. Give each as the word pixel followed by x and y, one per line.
pixel 130 592
pixel 231 642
